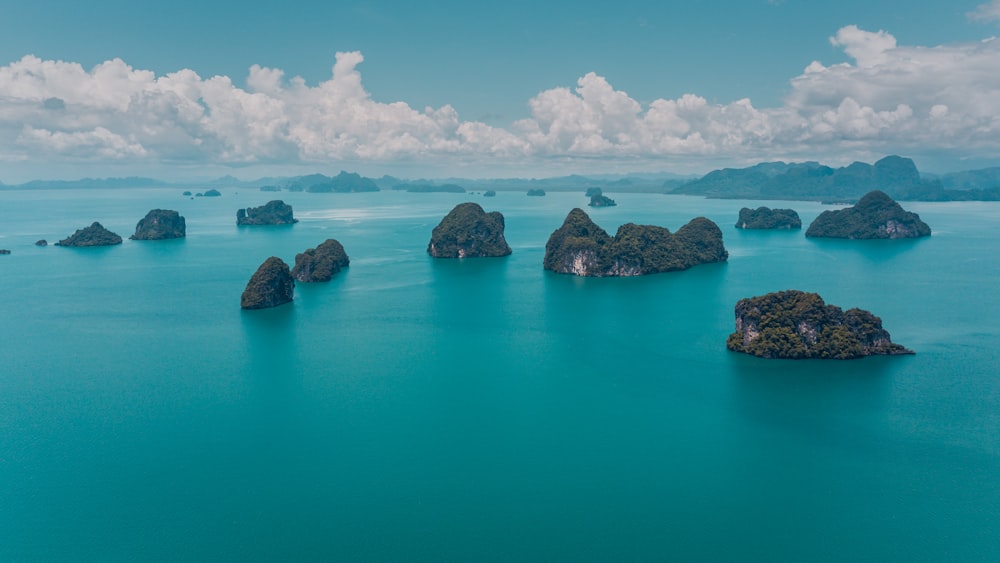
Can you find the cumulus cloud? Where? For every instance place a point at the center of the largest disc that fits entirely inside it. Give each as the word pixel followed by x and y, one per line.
pixel 989 12
pixel 890 98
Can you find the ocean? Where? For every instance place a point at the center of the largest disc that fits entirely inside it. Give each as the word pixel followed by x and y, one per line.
pixel 425 409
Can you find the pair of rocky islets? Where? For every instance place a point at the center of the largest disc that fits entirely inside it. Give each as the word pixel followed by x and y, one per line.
pixel 273 283
pixel 582 248
pixel 875 216
pixel 275 212
pixel 467 231
pixel 794 324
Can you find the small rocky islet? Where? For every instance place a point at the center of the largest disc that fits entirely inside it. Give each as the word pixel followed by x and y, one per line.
pixel 275 212
pixel 767 218
pixel 874 216
pixel 270 286
pixel 601 200
pixel 160 224
pixel 794 324
pixel 468 231
pixel 94 235
pixel 321 263
pixel 582 248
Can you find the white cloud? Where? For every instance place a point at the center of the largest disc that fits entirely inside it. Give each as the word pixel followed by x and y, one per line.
pixel 890 99
pixel 989 12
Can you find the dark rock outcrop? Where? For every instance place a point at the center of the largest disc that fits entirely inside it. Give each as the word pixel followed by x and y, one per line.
pixel 41 242
pixel 794 324
pixel 767 218
pixel 489 193
pixel 4 251
pixel 875 216
pixel 582 248
pixel 469 232
pixel 94 235
pixel 274 212
pixel 536 192
pixel 320 263
pixel 271 285
pixel 599 200
pixel 160 224
pixel 186 193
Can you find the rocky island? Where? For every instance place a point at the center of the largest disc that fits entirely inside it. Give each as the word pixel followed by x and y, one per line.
pixel 794 324
pixel 582 248
pixel 536 192
pixel 875 216
pixel 601 200
pixel 767 218
pixel 212 193
pixel 274 212
pixel 160 224
pixel 469 232
pixel 490 193
pixel 41 242
pixel 320 263
pixel 4 251
pixel 271 285
pixel 94 235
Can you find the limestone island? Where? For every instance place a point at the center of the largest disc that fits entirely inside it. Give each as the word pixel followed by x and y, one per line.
pixel 536 192
pixel 767 218
pixel 582 248
pixel 601 200
pixel 320 263
pixel 794 324
pixel 271 285
pixel 212 193
pixel 94 235
pixel 490 193
pixel 469 232
pixel 274 212
pixel 875 216
pixel 160 224
pixel 4 251
pixel 41 242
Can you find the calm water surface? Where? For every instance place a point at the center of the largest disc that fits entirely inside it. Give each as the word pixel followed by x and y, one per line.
pixel 420 409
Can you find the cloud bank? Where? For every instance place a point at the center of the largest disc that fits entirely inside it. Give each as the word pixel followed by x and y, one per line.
pixel 889 99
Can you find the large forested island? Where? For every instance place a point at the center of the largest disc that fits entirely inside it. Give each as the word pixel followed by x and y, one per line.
pixel 467 231
pixel 767 218
pixel 582 248
pixel 875 216
pixel 794 324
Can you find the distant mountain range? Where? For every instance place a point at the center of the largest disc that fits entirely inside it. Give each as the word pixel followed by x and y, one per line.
pixel 894 175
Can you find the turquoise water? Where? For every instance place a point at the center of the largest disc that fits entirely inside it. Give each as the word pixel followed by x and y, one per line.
pixel 419 409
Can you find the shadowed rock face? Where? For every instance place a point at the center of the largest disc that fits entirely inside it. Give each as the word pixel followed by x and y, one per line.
pixel 271 285
pixel 274 212
pixel 320 263
pixel 469 232
pixel 875 216
pixel 767 218
pixel 798 325
pixel 582 248
pixel 160 224
pixel 94 235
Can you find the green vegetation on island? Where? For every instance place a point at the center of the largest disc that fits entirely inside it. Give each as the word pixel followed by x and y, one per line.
pixel 582 248
pixel 794 324
pixel 467 231
pixel 275 212
pixel 160 224
pixel 767 218
pixel 94 235
pixel 599 200
pixel 271 285
pixel 875 216
pixel 320 263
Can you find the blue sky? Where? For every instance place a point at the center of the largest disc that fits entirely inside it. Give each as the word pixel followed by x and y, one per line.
pixel 513 89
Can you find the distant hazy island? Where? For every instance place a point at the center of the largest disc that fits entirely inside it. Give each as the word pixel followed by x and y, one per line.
pixel 798 325
pixel 767 218
pixel 875 216
pixel 345 182
pixel 468 231
pixel 94 235
pixel 536 192
pixel 582 248
pixel 430 188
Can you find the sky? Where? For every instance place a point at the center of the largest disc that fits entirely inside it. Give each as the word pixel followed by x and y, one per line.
pixel 187 89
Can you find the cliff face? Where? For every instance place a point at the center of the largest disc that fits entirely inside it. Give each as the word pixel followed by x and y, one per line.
pixel 271 285
pixel 582 248
pixel 875 216
pixel 94 235
pixel 320 263
pixel 469 232
pixel 160 224
pixel 274 212
pixel 767 218
pixel 798 325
